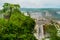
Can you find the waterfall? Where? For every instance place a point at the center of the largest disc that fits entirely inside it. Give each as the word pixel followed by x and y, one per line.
pixel 39 31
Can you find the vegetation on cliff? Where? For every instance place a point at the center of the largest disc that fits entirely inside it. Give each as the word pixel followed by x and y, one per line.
pixel 52 30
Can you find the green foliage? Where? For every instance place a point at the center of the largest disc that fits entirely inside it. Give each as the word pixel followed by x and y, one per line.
pixel 51 29
pixel 19 27
pixel 10 7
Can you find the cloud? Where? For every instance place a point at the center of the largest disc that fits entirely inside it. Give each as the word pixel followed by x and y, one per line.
pixel 34 3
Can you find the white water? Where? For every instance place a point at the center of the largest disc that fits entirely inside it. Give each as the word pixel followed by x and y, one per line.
pixel 39 28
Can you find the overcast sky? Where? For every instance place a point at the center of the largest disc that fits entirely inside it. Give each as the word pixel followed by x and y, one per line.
pixel 34 3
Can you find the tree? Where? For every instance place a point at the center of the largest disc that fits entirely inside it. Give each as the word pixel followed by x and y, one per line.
pixel 19 27
pixel 10 8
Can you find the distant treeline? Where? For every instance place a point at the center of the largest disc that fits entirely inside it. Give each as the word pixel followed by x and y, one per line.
pixel 40 9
